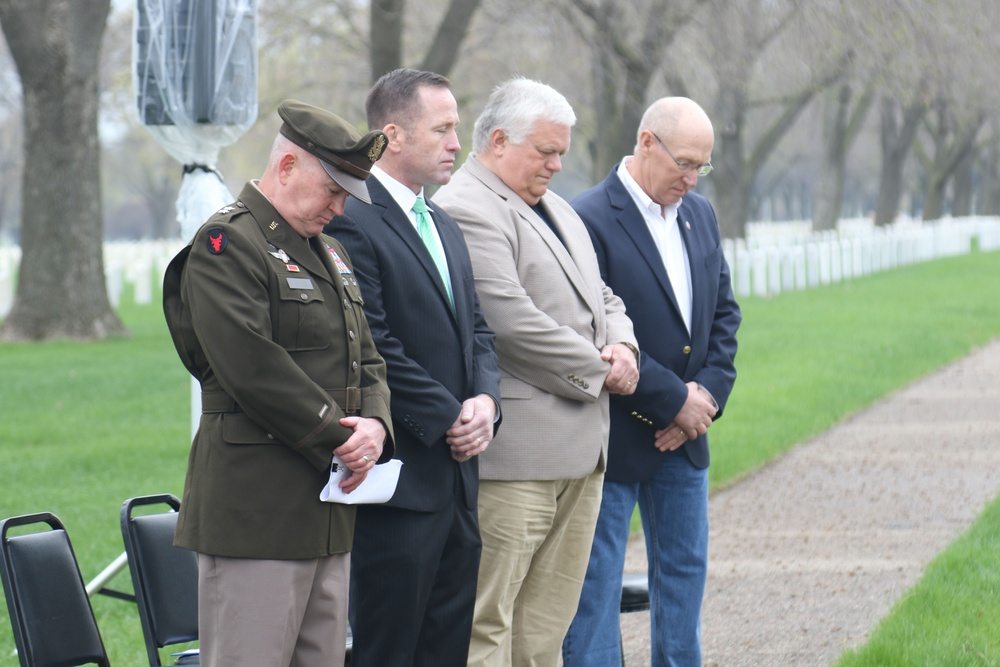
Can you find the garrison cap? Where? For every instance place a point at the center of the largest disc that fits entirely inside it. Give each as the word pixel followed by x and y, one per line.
pixel 346 154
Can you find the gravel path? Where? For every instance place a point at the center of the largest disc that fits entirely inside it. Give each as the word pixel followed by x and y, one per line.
pixel 807 554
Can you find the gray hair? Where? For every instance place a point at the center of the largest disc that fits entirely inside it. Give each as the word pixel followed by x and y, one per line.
pixel 515 107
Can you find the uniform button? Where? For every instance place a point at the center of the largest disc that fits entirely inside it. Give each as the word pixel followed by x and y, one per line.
pixel 304 296
pixel 270 437
pixel 687 349
pixel 354 366
pixel 351 334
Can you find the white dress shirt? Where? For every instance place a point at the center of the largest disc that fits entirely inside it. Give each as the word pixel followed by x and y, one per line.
pixel 405 197
pixel 663 225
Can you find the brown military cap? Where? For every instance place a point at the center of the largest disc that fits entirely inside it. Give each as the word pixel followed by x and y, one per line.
pixel 346 154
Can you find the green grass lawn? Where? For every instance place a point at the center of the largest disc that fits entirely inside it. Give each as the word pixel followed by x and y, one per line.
pixel 808 359
pixel 952 616
pixel 85 426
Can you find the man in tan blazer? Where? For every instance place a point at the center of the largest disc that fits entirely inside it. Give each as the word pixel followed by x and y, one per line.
pixel 564 343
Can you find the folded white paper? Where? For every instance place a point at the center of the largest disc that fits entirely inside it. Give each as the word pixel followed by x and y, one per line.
pixel 378 487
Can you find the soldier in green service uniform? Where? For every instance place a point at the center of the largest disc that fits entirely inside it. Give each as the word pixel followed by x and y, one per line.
pixel 266 312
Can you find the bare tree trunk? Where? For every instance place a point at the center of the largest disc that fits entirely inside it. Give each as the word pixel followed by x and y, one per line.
pixel 952 146
pixel 386 30
pixel 450 34
pixel 962 180
pixel 736 172
pixel 842 128
pixel 624 68
pixel 897 139
pixel 732 192
pixel 386 36
pixel 61 289
pixel 989 170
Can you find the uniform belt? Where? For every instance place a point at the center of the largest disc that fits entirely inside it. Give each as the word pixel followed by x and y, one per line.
pixel 349 400
pixel 218 401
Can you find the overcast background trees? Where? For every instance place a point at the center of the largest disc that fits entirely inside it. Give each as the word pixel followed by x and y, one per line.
pixel 823 109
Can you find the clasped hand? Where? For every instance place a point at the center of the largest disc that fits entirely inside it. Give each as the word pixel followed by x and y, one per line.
pixel 624 373
pixel 362 450
pixel 472 431
pixel 693 420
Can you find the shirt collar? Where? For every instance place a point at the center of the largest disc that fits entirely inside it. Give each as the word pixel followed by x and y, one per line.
pixel 642 200
pixel 401 194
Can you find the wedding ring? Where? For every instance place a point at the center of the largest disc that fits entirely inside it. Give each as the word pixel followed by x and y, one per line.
pixel 366 459
pixel 479 440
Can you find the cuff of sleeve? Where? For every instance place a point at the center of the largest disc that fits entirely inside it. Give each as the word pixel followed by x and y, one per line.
pixel 634 349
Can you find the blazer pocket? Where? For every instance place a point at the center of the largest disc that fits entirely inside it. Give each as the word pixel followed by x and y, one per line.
pixel 713 260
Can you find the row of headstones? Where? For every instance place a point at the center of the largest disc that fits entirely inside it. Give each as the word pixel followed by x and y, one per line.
pixel 768 262
pixel 137 266
pixel 774 258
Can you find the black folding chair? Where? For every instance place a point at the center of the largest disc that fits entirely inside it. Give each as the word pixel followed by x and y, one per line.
pixel 635 592
pixel 165 577
pixel 635 596
pixel 50 613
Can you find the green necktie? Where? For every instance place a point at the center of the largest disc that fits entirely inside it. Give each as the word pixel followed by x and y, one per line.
pixel 425 229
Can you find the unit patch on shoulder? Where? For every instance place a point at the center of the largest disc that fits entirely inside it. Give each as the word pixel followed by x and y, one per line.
pixel 217 240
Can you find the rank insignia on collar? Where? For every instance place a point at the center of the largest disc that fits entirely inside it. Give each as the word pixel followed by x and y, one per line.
pixel 217 240
pixel 279 254
pixel 273 225
pixel 225 209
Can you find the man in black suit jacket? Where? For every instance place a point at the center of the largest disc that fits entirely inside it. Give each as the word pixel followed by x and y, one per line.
pixel 658 246
pixel 416 558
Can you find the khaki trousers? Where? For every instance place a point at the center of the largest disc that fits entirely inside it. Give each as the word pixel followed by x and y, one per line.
pixel 537 537
pixel 272 613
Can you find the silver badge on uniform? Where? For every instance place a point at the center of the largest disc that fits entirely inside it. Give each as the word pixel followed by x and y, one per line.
pixel 300 283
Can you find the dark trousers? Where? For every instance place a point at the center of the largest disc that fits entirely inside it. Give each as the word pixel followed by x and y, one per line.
pixel 413 585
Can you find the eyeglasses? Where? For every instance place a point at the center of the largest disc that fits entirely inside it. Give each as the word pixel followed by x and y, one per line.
pixel 684 165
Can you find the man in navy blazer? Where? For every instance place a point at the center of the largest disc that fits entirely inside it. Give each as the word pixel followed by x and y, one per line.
pixel 659 249
pixel 416 559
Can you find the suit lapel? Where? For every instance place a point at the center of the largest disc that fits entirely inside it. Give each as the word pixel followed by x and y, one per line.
pixel 693 245
pixel 563 253
pixel 631 220
pixel 397 220
pixel 453 244
pixel 564 249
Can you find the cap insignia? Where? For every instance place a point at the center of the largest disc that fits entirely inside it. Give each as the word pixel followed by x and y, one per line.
pixel 376 150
